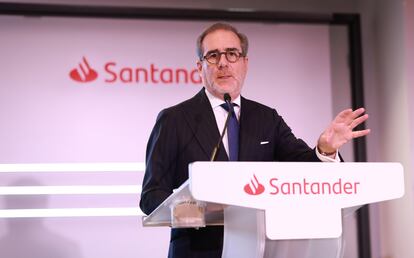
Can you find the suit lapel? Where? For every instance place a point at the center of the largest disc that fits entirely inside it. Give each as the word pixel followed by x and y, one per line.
pixel 201 120
pixel 247 129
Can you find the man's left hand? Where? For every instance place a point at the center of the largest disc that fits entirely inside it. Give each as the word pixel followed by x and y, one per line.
pixel 340 131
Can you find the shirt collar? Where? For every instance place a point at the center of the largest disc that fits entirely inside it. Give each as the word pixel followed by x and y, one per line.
pixel 215 102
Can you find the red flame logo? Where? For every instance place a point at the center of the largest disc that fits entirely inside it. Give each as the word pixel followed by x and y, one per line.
pixel 254 187
pixel 84 72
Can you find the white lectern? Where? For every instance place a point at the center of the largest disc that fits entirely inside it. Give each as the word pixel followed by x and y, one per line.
pixel 264 206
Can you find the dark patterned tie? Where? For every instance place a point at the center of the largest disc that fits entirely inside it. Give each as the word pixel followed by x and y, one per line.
pixel 232 133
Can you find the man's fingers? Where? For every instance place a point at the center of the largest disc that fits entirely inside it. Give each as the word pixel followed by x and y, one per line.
pixel 348 116
pixel 357 112
pixel 360 133
pixel 345 113
pixel 343 116
pixel 358 121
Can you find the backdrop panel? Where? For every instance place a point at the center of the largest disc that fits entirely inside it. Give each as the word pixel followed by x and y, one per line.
pixel 89 90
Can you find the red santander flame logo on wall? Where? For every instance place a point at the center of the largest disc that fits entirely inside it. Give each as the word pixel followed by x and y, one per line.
pixel 83 73
pixel 254 187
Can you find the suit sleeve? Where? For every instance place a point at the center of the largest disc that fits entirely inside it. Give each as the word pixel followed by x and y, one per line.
pixel 288 147
pixel 160 168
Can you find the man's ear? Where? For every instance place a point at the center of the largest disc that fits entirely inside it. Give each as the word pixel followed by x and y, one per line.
pixel 199 66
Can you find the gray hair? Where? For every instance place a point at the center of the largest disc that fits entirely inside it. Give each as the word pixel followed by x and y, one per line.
pixel 244 42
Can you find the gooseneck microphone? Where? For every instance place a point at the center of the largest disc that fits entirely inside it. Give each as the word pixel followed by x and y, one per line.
pixel 227 99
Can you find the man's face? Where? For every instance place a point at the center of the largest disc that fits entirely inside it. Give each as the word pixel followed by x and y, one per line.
pixel 223 77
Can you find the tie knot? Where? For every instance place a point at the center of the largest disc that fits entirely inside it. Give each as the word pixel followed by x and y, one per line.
pixel 226 106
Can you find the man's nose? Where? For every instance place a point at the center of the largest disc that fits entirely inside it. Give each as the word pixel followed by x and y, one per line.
pixel 222 60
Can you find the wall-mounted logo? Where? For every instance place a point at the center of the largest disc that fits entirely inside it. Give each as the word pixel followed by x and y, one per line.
pixel 254 187
pixel 112 72
pixel 84 72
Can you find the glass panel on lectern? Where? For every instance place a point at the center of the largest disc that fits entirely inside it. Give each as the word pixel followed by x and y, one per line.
pixel 188 213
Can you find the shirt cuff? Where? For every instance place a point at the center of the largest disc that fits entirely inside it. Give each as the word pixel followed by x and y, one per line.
pixel 331 158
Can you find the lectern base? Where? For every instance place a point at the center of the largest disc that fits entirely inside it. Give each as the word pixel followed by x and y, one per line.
pixel 244 237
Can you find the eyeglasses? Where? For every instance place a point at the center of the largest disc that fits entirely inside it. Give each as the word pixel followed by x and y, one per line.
pixel 214 57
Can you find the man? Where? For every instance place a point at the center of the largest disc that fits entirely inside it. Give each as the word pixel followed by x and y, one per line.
pixel 189 131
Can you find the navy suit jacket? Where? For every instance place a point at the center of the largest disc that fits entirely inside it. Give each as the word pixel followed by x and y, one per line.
pixel 188 132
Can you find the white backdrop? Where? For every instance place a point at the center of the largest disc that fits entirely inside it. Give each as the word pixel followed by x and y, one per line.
pixel 46 116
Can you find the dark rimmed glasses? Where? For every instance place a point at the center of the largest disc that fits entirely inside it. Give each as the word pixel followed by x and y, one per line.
pixel 214 57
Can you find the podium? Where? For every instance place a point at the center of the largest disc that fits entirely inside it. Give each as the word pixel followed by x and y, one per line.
pixel 267 206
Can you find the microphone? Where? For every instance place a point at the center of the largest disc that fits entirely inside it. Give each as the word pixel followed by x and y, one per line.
pixel 227 99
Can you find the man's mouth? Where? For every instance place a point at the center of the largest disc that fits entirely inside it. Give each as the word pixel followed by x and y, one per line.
pixel 224 77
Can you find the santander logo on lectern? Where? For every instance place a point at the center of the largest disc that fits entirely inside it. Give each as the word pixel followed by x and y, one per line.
pixel 254 187
pixel 84 72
